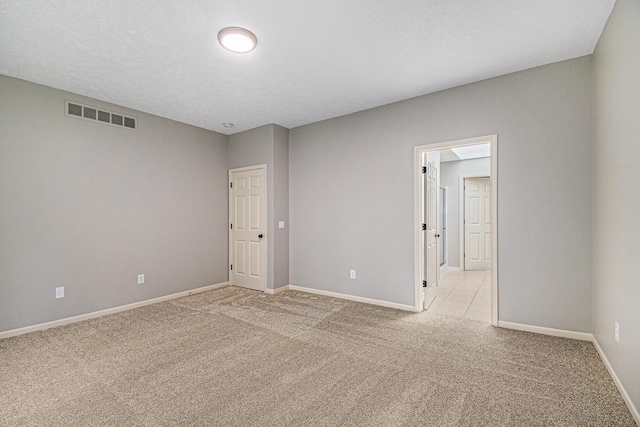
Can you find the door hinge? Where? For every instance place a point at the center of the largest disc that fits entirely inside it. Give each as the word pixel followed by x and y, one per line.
pixel 424 283
pixel 232 266
pixel 424 227
pixel 232 226
pixel 231 185
pixel 424 169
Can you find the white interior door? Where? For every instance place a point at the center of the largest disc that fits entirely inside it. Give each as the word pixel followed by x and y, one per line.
pixel 477 224
pixel 248 224
pixel 430 219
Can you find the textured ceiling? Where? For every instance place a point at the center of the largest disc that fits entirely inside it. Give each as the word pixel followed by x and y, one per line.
pixel 315 59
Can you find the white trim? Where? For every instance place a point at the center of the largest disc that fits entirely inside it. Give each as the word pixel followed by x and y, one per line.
pixel 493 160
pixel 276 290
pixel 444 269
pixel 265 219
pixel 449 268
pixel 354 298
pixel 582 336
pixel 113 310
pixel 249 168
pixel 618 383
pixel 418 244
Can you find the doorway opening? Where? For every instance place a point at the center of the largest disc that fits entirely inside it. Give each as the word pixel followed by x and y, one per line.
pixel 444 258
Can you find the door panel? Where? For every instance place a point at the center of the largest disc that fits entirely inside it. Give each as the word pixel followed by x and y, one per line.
pixel 255 212
pixel 255 257
pixel 474 247
pixel 240 257
pixel 477 224
pixel 474 211
pixel 487 247
pixel 248 215
pixel 240 223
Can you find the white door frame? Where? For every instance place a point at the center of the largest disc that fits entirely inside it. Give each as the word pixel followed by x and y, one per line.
pixel 419 206
pixel 266 235
pixel 462 211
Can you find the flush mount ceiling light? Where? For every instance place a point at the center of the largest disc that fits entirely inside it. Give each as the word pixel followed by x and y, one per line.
pixel 237 40
pixel 227 125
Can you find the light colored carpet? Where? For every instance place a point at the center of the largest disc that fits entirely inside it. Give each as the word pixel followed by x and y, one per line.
pixel 237 357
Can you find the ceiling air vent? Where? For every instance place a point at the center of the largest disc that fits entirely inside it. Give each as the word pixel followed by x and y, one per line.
pixel 95 114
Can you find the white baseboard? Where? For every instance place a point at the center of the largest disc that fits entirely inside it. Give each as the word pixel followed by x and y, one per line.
pixel 453 268
pixel 74 319
pixel 444 269
pixel 354 298
pixel 618 383
pixel 276 290
pixel 582 336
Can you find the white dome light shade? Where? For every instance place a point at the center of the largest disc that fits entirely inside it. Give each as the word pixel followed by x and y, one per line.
pixel 238 40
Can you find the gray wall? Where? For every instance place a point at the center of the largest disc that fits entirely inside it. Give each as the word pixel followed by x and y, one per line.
pixel 450 173
pixel 281 205
pixel 89 206
pixel 616 290
pixel 351 192
pixel 269 145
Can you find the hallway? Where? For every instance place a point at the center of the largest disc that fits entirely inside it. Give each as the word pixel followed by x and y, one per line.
pixel 464 294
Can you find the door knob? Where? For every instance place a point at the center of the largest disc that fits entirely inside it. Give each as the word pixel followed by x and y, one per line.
pixel 259 236
pixel 437 235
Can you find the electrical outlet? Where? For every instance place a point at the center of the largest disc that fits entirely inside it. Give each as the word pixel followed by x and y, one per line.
pixel 60 292
pixel 617 332
pixel 140 279
pixel 352 274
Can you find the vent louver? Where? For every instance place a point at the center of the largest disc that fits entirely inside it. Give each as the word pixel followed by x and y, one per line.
pixel 95 114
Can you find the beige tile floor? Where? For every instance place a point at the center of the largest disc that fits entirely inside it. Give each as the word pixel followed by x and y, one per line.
pixel 464 294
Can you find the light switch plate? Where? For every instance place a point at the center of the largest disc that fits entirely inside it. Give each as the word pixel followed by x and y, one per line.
pixel 140 279
pixel 281 224
pixel 60 292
